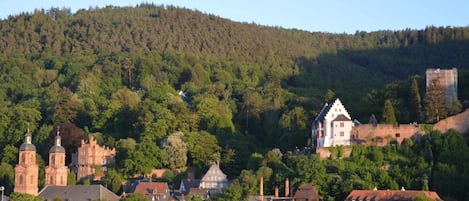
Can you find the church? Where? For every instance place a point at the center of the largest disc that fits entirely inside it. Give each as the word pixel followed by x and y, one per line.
pixel 27 171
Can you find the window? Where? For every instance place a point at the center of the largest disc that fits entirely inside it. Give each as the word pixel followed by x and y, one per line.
pixel 398 135
pixel 341 133
pixel 21 179
pixel 341 124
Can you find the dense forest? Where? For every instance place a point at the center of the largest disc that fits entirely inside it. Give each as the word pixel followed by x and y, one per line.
pixel 170 87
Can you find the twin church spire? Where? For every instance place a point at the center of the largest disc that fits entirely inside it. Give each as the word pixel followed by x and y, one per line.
pixel 27 171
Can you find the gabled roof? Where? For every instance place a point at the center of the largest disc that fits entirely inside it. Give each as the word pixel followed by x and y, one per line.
pixel 306 192
pixel 148 189
pixel 214 170
pixel 323 112
pixel 188 184
pixel 78 192
pixel 342 117
pixel 391 195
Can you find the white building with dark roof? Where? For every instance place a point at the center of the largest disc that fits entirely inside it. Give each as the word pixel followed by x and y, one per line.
pixel 332 126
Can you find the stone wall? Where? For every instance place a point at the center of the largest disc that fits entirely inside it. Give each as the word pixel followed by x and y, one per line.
pixel 459 122
pixel 383 134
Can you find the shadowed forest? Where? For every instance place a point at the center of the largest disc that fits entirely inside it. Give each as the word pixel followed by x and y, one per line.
pixel 174 88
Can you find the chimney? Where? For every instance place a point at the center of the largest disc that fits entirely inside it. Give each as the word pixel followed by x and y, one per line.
pixel 276 192
pixel 262 186
pixel 287 188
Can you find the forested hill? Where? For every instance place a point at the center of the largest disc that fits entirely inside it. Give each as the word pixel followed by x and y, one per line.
pixel 171 87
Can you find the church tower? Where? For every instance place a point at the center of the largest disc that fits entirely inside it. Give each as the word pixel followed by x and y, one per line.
pixel 56 172
pixel 27 171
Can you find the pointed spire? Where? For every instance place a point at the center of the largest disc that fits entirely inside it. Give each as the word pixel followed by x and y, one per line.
pixel 57 137
pixel 27 136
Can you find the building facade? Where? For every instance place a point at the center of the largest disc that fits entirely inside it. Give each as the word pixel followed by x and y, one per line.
pixel 448 79
pixel 27 171
pixel 56 172
pixel 214 178
pixel 332 126
pixel 91 156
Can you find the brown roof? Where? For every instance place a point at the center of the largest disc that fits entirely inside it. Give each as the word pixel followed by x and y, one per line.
pixel 306 192
pixel 391 195
pixel 148 189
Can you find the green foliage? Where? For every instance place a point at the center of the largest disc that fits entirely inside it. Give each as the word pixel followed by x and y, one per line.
pixel 174 151
pixel 24 197
pixel 113 180
pixel 7 176
pixel 71 179
pixel 244 93
pixel 388 113
pixel 415 102
pixel 9 155
pixel 135 197
pixel 435 104
pixel 203 148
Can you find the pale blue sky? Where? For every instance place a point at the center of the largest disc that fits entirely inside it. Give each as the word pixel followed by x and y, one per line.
pixel 335 16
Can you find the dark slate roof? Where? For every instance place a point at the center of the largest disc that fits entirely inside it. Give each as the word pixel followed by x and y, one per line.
pixel 78 192
pixel 323 112
pixel 27 147
pixel 57 149
pixel 189 183
pixel 342 117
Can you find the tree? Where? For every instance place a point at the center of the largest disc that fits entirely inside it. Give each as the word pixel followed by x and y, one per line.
pixel 454 106
pixel 113 180
pixel 24 197
pixel 71 179
pixel 329 96
pixel 203 148
pixel 66 108
pixel 7 177
pixel 388 113
pixel 135 197
pixel 435 104
pixel 415 102
pixel 174 151
pixel 9 155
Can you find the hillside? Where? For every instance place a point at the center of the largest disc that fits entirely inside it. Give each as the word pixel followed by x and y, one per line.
pixel 117 72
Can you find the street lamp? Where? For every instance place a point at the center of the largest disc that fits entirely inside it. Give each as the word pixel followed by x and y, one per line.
pixel 2 188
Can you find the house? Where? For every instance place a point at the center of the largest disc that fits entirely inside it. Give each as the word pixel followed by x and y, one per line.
pixel 211 183
pixel 390 195
pixel 78 192
pixel 187 184
pixel 154 190
pixel 332 126
pixel 214 178
pixel 89 157
pixel 306 192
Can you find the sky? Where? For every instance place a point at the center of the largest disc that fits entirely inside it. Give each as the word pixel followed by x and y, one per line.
pixel 332 16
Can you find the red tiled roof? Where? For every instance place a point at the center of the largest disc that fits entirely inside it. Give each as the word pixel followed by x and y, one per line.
pixel 148 188
pixel 390 195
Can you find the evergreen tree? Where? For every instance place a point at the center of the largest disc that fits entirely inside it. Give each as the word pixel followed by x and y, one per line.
pixel 454 106
pixel 388 113
pixel 435 108
pixel 415 102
